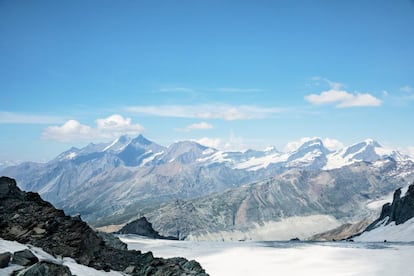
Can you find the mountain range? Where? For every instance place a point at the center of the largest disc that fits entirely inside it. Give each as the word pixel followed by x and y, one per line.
pixel 115 182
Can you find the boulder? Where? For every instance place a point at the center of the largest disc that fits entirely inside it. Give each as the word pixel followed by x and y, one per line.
pixel 142 227
pixel 45 268
pixel 24 258
pixel 112 241
pixel 5 259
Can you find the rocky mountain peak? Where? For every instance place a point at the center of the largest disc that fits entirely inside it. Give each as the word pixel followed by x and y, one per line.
pixel 141 140
pixel 27 219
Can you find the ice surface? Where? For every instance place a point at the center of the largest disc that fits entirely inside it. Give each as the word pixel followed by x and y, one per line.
pixel 286 258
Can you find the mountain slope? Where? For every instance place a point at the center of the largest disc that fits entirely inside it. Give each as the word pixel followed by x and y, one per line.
pixel 340 194
pixel 109 182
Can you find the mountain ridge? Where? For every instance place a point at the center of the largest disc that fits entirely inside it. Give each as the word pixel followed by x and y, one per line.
pixel 118 178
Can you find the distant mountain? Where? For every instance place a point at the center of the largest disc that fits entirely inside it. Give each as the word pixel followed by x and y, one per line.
pixel 7 163
pixel 114 182
pixel 297 203
pixel 368 151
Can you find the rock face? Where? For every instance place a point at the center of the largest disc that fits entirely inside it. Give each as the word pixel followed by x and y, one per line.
pixel 24 258
pixel 142 227
pixel 340 193
pixel 26 218
pixel 45 268
pixel 5 259
pixel 342 232
pixel 400 210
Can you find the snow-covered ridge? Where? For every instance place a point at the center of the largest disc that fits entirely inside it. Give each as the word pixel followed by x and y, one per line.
pixel 309 153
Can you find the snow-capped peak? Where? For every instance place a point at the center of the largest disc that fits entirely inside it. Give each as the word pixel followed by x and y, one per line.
pixel 368 150
pixel 118 144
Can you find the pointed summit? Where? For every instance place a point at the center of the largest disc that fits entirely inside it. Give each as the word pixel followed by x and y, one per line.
pixel 141 140
pixel 118 144
pixel 372 142
pixel 140 151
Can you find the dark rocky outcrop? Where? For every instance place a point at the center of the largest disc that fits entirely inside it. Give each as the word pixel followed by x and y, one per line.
pixel 45 268
pixel 142 227
pixel 5 259
pixel 26 218
pixel 24 258
pixel 112 241
pixel 400 210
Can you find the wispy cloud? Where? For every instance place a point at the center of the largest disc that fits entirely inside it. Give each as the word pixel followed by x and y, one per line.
pixel 110 127
pixel 231 143
pixel 196 126
pixel 410 151
pixel 208 111
pixel 407 89
pixel 25 118
pixel 329 143
pixel 342 98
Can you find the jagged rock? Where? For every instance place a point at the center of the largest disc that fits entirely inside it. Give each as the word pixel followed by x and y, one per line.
pixel 24 258
pixel 400 210
pixel 45 268
pixel 69 237
pixel 142 227
pixel 112 241
pixel 5 259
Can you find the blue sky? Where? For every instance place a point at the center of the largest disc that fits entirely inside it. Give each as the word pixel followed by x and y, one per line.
pixel 232 74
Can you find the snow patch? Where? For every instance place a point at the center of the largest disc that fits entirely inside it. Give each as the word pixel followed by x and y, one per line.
pixel 150 158
pixel 390 232
pixel 254 164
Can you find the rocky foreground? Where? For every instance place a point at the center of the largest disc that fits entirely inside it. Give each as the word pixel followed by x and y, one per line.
pixel 27 219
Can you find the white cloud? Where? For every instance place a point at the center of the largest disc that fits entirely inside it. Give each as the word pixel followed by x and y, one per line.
pixel 332 84
pixel 110 127
pixel 208 111
pixel 329 143
pixel 332 144
pixel 210 142
pixel 410 151
pixel 233 143
pixel 407 89
pixel 342 98
pixel 197 126
pixel 24 118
